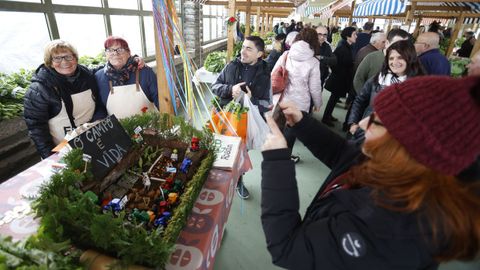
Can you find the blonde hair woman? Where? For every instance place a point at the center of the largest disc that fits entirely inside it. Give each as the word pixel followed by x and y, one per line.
pixel 62 96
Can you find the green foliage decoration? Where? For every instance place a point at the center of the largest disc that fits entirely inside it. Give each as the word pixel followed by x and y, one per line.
pixel 68 215
pixel 458 66
pixel 12 91
pixel 443 46
pixel 237 47
pixel 93 62
pixel 25 255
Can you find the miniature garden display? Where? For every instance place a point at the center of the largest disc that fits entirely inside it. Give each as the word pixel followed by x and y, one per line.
pixel 136 212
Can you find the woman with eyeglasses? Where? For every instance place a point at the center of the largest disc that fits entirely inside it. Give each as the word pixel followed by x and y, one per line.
pixel 399 201
pixel 62 96
pixel 125 90
pixel 401 63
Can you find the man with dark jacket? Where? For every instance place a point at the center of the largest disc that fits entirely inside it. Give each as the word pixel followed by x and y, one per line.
pixel 251 73
pixel 434 62
pixel 340 81
pixel 363 38
pixel 377 43
pixel 326 57
pixel 467 46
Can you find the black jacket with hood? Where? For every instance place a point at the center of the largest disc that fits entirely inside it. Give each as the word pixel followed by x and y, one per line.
pixel 343 229
pixel 259 85
pixel 43 101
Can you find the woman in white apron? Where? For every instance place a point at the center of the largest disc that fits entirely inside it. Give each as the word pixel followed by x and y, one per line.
pixel 124 89
pixel 63 95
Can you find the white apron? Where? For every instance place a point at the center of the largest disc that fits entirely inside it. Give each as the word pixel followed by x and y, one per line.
pixel 83 110
pixel 127 100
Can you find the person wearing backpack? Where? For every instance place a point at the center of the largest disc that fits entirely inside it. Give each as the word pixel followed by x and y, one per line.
pixel 302 85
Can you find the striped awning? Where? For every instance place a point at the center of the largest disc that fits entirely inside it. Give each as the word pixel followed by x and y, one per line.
pixel 328 10
pixel 380 7
pixel 428 21
pixel 474 6
pixel 201 2
pixel 358 20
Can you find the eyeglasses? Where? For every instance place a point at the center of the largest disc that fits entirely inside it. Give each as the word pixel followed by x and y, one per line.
pixel 118 50
pixel 58 59
pixel 371 120
pixel 322 34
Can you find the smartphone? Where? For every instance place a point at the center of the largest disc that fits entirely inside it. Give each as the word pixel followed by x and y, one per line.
pixel 279 117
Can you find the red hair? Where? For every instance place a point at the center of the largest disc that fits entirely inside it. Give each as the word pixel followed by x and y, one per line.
pixel 113 39
pixel 400 183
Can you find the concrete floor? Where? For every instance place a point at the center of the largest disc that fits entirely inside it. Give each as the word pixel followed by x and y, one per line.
pixel 243 245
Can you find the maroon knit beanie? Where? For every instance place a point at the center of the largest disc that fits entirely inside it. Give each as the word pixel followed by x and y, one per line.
pixel 435 118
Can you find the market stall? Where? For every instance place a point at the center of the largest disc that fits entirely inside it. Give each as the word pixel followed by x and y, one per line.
pixel 198 241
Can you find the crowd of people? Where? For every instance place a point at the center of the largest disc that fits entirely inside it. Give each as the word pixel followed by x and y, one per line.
pixel 403 188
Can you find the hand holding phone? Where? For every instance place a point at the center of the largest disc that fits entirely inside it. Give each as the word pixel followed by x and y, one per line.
pixel 279 117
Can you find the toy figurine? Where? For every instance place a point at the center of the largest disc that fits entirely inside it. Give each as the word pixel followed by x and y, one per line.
pixel 162 207
pixel 146 181
pixel 92 196
pixel 115 205
pixel 174 156
pixel 151 215
pixel 185 165
pixel 177 186
pixel 195 144
pixel 172 197
pixel 107 197
pixel 162 220
pixel 140 216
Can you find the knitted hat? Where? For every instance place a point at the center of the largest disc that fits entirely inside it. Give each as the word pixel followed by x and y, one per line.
pixel 435 118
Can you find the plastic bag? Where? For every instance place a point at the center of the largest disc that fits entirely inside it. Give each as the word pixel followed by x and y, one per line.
pixel 257 128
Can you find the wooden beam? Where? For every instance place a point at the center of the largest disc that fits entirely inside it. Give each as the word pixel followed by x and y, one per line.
pixel 409 17
pixel 257 27
pixel 476 47
pixel 442 8
pixel 269 10
pixel 230 37
pixel 164 99
pixel 450 1
pixel 449 15
pixel 247 18
pixel 253 4
pixel 458 25
pixel 351 13
pixel 417 28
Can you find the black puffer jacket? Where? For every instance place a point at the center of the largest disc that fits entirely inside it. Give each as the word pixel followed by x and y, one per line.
pixel 362 106
pixel 343 229
pixel 341 79
pixel 43 101
pixel 260 85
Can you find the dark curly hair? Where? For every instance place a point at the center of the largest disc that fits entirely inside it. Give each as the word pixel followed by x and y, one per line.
pixel 308 35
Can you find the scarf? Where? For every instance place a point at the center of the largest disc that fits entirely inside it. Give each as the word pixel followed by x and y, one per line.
pixel 121 76
pixel 390 79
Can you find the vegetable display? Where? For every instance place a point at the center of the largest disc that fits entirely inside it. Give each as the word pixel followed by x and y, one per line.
pixel 12 92
pixel 215 61
pixel 458 66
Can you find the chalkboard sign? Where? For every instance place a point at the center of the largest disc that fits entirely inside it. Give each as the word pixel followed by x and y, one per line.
pixel 106 143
